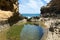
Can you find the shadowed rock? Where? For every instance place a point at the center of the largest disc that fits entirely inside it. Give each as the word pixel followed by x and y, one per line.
pixel 9 11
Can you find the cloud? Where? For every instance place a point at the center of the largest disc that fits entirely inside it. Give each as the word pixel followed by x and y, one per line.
pixel 47 1
pixel 31 6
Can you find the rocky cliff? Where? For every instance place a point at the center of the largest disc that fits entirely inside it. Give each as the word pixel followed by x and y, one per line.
pixel 9 11
pixel 50 15
pixel 52 9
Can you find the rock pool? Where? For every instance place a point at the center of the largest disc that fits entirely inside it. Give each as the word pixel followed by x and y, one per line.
pixel 31 32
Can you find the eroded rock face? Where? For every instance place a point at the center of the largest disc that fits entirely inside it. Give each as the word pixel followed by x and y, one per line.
pixel 50 16
pixel 4 15
pixel 55 3
pixel 9 11
pixel 8 5
pixel 52 9
pixel 52 30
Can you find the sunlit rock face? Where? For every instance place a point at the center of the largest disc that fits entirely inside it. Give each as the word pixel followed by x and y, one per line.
pixel 31 32
pixel 9 11
pixel 6 8
pixel 4 15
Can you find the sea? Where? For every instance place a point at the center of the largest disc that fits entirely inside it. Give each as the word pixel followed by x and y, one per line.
pixel 30 15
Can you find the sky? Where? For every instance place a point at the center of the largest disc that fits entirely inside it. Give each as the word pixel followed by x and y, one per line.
pixel 31 6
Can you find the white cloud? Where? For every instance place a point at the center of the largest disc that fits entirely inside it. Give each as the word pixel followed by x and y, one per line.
pixel 33 6
pixel 47 1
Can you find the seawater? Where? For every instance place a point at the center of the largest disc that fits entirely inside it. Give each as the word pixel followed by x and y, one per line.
pixel 30 15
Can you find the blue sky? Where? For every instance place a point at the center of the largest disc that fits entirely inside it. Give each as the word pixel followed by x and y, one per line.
pixel 31 6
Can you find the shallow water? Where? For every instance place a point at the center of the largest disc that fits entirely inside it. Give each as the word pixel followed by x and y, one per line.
pixel 31 32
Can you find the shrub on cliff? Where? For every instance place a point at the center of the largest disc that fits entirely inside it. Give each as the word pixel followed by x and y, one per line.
pixel 14 19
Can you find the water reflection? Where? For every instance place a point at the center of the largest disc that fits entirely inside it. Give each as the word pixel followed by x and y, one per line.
pixel 31 32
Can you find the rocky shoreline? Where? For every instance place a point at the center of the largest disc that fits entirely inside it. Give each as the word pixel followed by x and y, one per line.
pixel 52 29
pixel 50 16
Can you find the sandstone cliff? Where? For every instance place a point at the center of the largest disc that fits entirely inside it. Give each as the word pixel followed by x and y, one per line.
pixel 9 11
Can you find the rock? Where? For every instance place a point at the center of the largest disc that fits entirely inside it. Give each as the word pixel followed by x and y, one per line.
pixel 53 29
pixel 50 15
pixel 4 15
pixel 9 11
pixel 52 9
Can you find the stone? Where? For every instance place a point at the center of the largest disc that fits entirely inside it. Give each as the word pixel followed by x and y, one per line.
pixel 9 11
pixel 52 9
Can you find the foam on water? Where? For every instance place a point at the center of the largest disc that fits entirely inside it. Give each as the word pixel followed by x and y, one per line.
pixel 29 17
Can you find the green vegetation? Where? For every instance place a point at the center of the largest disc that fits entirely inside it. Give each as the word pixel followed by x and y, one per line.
pixel 29 23
pixel 14 32
pixel 15 18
